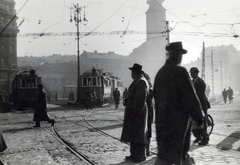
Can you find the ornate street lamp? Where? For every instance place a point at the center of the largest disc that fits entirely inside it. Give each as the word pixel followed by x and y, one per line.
pixel 78 19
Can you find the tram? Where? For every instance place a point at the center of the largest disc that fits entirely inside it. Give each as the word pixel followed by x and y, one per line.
pixel 104 84
pixel 25 90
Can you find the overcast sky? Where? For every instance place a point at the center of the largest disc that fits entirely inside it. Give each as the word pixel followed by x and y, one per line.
pixel 193 22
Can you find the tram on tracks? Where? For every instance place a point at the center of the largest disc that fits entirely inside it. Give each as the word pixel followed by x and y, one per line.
pixel 104 84
pixel 25 90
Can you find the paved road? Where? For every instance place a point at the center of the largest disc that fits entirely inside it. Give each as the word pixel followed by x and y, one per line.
pixel 35 146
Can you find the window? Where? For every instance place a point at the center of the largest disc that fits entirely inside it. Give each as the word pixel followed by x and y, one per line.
pixel 84 81
pixel 2 49
pixel 89 81
pixel 119 84
pixel 94 81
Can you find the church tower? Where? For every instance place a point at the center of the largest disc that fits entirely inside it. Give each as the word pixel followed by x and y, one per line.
pixel 151 54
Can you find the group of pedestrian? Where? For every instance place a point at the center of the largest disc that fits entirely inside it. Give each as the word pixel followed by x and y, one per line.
pixel 91 99
pixel 180 105
pixel 228 94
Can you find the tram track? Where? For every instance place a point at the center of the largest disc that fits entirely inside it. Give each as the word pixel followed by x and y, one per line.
pixel 88 119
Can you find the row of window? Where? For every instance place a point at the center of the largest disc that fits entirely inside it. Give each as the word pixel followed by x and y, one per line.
pixel 96 81
pixel 26 83
pixel 2 48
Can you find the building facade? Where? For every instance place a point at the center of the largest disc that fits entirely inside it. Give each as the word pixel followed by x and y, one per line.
pixel 8 46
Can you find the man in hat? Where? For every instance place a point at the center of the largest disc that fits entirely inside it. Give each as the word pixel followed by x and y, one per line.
pixel 134 129
pixel 116 97
pixel 200 132
pixel 175 104
pixel 40 113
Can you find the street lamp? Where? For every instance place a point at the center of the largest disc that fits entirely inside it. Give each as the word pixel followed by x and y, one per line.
pixel 77 19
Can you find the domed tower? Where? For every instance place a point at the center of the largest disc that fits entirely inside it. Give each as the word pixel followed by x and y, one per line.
pixel 8 45
pixel 151 54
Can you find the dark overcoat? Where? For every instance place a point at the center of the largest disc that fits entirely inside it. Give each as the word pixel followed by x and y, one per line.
pixel 135 117
pixel 116 96
pixel 200 88
pixel 175 103
pixel 40 113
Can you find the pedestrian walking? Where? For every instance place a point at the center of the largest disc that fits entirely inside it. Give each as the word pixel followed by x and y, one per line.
pixel 200 132
pixel 150 112
pixel 225 94
pixel 89 99
pixel 134 129
pixel 40 112
pixel 175 104
pixel 94 95
pixel 125 94
pixel 116 97
pixel 230 95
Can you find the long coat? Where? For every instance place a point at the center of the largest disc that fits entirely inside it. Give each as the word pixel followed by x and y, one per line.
pixel 175 103
pixel 200 87
pixel 40 113
pixel 135 117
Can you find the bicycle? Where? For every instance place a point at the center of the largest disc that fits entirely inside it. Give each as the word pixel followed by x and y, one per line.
pixel 210 124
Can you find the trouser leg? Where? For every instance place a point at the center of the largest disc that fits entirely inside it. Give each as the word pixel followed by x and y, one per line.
pixel 37 123
pixel 148 147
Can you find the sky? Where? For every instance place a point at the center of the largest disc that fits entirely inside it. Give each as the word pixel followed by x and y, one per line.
pixel 45 26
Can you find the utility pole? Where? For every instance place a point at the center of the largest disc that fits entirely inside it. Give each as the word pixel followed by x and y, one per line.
pixel 77 19
pixel 167 37
pixel 203 62
pixel 213 91
pixel 221 75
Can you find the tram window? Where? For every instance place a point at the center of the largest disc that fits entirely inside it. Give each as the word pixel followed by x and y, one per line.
pixel 99 82
pixel 89 81
pixel 94 81
pixel 119 84
pixel 28 83
pixel 106 82
pixel 84 81
pixel 33 83
pixel 23 83
pixel 110 83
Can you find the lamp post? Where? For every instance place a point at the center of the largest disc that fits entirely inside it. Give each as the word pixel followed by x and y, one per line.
pixel 77 19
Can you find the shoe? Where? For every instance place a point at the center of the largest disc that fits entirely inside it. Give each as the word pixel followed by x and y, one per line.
pixel 129 158
pixel 203 143
pixel 139 159
pixel 52 122
pixel 197 140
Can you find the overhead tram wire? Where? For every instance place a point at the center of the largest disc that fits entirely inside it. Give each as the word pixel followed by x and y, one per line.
pixel 13 18
pixel 130 18
pixel 107 19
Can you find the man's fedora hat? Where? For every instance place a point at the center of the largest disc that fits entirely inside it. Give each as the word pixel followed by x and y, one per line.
pixel 176 46
pixel 137 68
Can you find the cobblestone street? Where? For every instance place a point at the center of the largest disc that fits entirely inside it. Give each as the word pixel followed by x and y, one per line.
pixel 28 145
